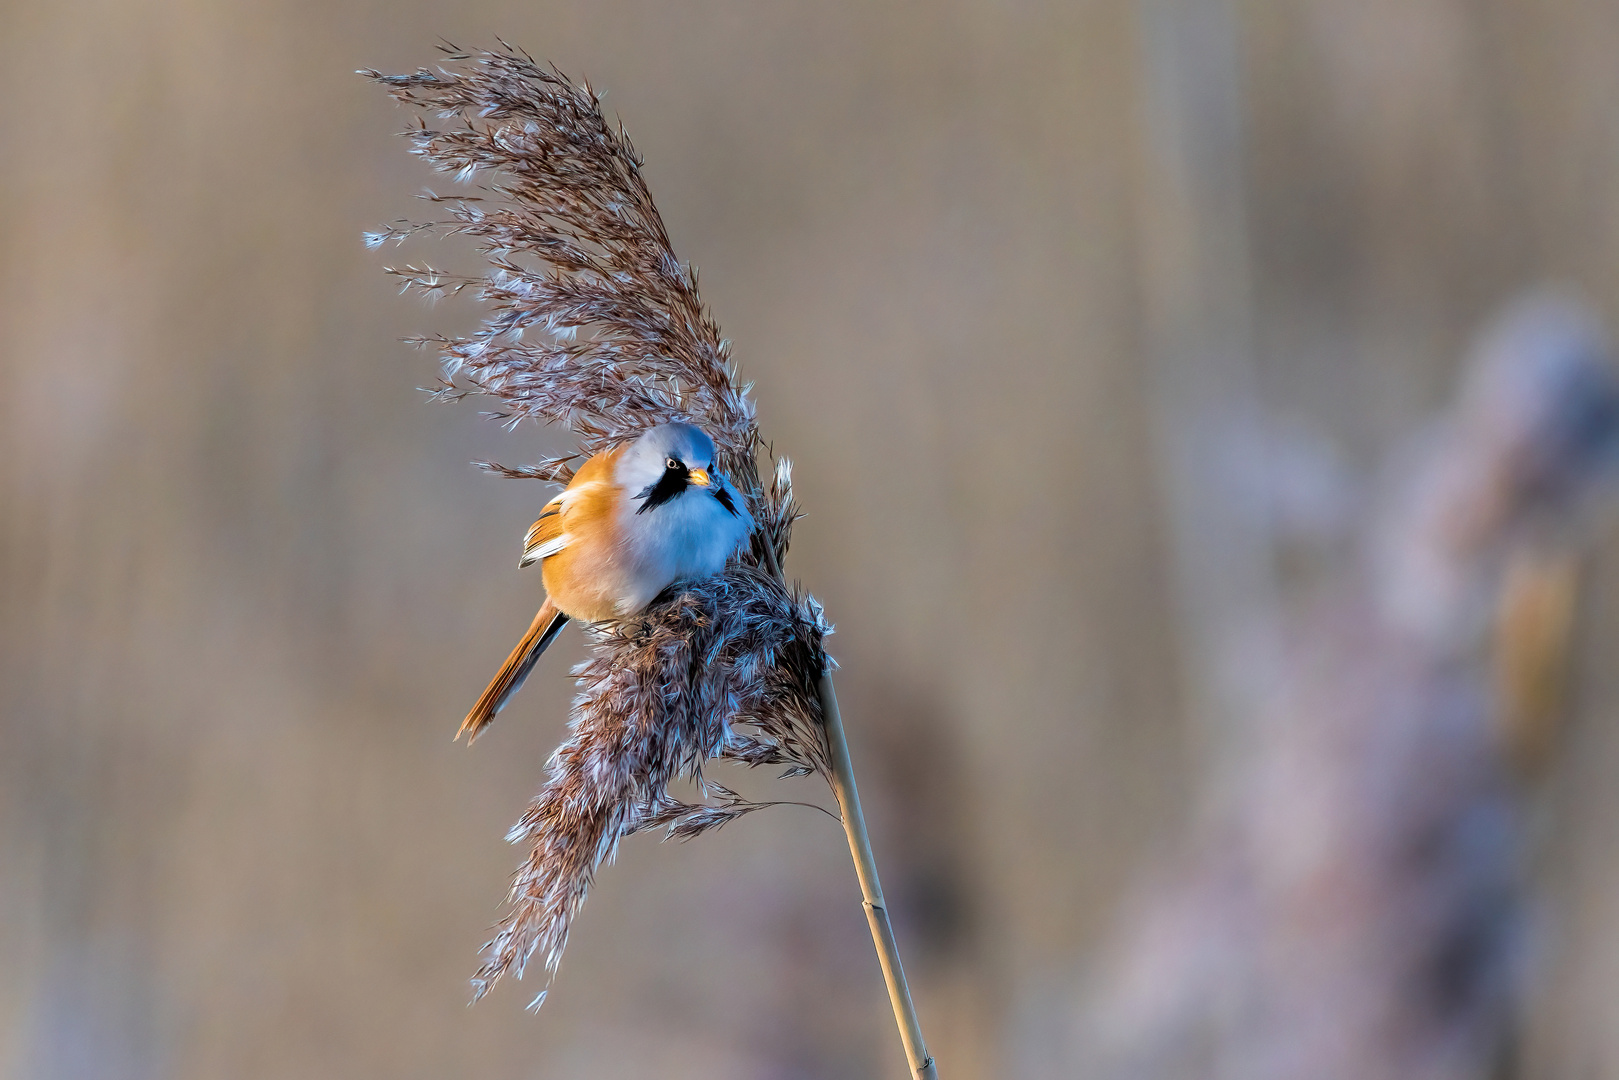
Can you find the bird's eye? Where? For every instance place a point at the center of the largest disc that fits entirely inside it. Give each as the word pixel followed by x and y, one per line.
pixel 672 463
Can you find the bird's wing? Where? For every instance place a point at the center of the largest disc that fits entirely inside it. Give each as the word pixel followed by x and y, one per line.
pixel 588 498
pixel 546 536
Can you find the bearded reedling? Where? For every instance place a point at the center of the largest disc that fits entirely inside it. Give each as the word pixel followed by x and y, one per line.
pixel 635 520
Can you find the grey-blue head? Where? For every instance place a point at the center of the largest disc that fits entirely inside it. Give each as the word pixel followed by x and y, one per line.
pixel 667 462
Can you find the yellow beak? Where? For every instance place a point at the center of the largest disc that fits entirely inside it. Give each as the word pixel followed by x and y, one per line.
pixel 699 477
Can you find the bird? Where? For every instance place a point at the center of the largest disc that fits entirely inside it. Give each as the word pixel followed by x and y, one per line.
pixel 634 520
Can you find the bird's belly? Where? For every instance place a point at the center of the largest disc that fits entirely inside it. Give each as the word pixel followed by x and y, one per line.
pixel 589 583
pixel 691 537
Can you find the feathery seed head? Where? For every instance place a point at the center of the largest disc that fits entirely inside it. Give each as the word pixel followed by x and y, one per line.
pixel 593 324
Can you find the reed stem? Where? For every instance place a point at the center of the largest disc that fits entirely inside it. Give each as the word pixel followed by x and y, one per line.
pixel 871 889
pixel 865 867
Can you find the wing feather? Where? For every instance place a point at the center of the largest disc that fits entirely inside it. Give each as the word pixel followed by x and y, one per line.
pixel 546 536
pixel 551 533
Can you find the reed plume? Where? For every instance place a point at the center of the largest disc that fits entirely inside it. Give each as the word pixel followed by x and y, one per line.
pixel 593 324
pixel 1355 901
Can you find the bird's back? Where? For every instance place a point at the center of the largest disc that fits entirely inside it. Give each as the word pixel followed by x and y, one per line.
pixel 589 571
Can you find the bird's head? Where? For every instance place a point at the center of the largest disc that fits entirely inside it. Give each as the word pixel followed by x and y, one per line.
pixel 666 462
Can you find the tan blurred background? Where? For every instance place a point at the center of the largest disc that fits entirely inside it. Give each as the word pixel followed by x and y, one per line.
pixel 1008 278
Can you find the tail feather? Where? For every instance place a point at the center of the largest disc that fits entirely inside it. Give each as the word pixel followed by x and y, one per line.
pixel 510 678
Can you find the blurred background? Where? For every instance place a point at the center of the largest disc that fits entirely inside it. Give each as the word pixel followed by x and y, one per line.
pixel 1226 698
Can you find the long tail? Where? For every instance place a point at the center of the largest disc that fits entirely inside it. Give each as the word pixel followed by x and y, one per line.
pixel 510 678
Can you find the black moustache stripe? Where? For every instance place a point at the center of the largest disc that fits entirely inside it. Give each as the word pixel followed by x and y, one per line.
pixel 672 483
pixel 725 499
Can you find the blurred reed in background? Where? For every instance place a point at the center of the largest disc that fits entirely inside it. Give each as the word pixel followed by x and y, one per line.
pixel 1354 900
